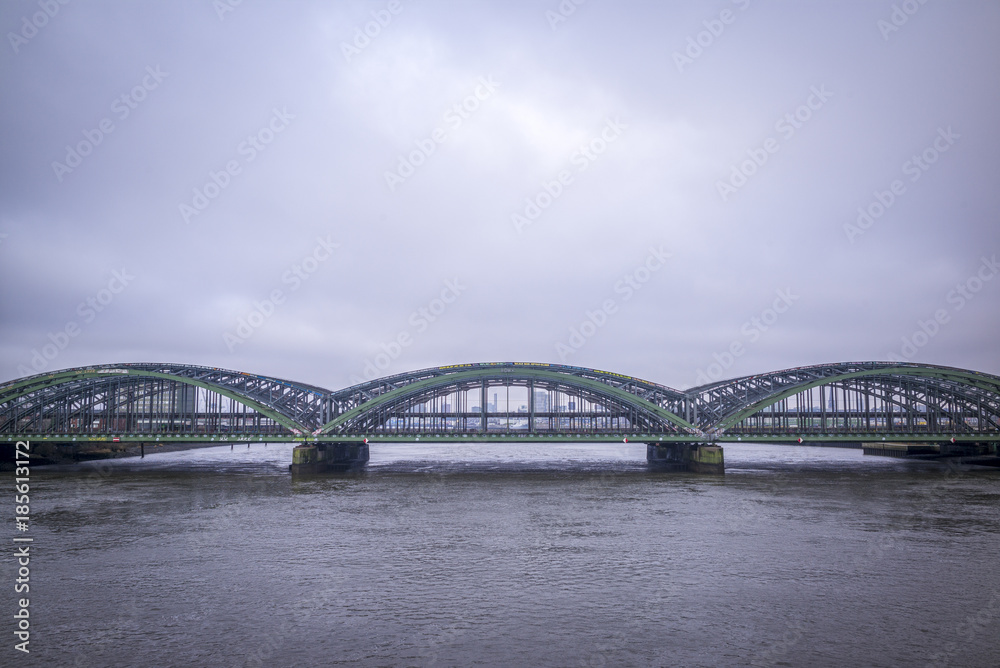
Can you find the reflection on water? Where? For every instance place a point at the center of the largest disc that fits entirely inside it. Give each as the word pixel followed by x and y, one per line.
pixel 499 554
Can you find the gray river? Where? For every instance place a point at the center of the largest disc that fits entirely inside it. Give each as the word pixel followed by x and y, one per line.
pixel 512 555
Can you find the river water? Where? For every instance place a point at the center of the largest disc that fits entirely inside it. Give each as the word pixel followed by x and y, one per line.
pixel 514 555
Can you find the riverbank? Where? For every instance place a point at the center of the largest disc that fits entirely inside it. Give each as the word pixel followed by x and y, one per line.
pixel 50 453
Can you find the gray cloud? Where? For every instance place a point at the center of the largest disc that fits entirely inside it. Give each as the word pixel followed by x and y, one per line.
pixel 345 123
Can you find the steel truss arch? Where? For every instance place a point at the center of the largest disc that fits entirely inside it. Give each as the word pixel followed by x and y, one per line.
pixel 293 406
pixel 954 398
pixel 389 395
pixel 675 401
pixel 873 398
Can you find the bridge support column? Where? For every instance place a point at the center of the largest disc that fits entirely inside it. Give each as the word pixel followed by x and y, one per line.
pixel 694 457
pixel 321 457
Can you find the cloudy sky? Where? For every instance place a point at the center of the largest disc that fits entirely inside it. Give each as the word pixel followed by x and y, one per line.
pixel 325 191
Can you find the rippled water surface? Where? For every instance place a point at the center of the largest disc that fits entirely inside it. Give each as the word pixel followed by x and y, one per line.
pixel 514 555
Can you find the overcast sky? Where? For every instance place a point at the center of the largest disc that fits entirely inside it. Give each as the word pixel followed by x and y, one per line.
pixel 282 188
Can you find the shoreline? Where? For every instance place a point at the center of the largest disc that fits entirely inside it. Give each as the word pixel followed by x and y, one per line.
pixel 44 454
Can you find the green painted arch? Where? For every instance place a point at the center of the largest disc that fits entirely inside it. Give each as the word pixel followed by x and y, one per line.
pixel 37 383
pixel 520 374
pixel 970 378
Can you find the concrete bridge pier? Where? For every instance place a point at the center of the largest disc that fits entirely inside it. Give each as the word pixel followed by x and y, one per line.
pixel 322 457
pixel 694 457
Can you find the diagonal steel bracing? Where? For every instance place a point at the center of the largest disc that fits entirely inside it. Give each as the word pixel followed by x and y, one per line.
pixel 856 399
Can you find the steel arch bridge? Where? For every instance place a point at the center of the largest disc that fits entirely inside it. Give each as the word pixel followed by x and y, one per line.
pixel 853 401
